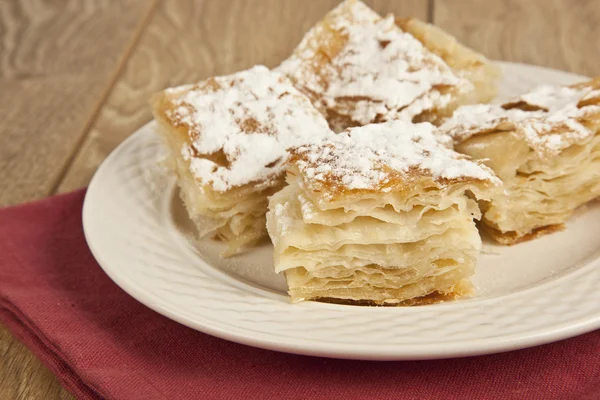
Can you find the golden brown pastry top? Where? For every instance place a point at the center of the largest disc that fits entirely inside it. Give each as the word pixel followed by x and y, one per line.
pixel 549 118
pixel 395 156
pixel 359 68
pixel 240 126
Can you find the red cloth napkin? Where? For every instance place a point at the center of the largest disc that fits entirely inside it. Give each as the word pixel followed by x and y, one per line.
pixel 101 343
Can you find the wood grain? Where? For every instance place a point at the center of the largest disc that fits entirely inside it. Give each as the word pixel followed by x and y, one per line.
pixel 561 34
pixel 57 62
pixel 188 40
pixel 22 375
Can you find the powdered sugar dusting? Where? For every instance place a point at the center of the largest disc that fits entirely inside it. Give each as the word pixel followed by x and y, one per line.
pixel 380 73
pixel 370 157
pixel 241 126
pixel 470 120
pixel 284 220
pixel 550 118
pixel 554 98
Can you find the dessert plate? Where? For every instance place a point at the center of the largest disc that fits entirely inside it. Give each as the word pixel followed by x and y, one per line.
pixel 529 294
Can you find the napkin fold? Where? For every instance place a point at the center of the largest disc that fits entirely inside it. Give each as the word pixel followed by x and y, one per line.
pixel 101 343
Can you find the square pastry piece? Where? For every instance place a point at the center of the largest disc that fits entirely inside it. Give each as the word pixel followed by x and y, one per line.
pixel 228 138
pixel 382 215
pixel 545 146
pixel 359 68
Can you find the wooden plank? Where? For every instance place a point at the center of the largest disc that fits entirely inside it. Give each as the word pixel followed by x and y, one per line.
pixel 189 40
pixel 561 34
pixel 57 62
pixel 22 375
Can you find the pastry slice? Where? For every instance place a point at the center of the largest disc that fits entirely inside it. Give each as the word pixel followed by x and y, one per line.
pixel 465 62
pixel 228 137
pixel 359 68
pixel 381 215
pixel 545 146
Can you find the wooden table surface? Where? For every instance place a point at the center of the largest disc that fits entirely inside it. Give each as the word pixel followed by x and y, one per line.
pixel 75 77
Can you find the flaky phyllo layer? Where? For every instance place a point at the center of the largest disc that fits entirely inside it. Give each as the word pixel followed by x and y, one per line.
pixel 374 247
pixel 358 68
pixel 236 216
pixel 382 235
pixel 545 147
pixel 228 139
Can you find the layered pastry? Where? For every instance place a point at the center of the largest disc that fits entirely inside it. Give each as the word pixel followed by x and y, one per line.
pixel 227 138
pixel 382 215
pixel 545 146
pixel 359 68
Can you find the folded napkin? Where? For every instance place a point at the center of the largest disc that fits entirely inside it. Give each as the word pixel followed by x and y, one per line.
pixel 101 343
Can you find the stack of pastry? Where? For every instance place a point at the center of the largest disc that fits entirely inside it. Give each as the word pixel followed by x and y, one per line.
pixel 381 214
pixel 359 68
pixel 228 135
pixel 228 138
pixel 545 146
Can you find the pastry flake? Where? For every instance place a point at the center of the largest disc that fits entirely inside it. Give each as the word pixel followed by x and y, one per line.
pixel 465 62
pixel 228 137
pixel 545 147
pixel 381 215
pixel 359 68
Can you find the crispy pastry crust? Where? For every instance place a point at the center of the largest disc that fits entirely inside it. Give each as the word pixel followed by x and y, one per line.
pixel 545 146
pixel 358 68
pixel 512 238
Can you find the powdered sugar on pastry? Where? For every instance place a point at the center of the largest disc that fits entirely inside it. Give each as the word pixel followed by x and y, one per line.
pixel 380 72
pixel 374 156
pixel 550 118
pixel 241 125
pixel 481 118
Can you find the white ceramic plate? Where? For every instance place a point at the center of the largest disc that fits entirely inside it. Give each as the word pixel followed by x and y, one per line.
pixel 529 294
